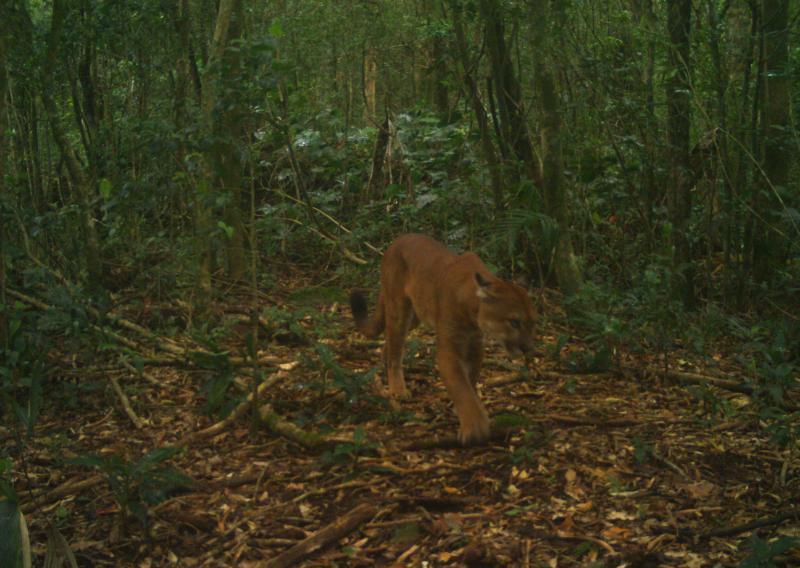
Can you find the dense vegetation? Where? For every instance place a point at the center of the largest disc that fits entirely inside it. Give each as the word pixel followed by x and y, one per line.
pixel 635 160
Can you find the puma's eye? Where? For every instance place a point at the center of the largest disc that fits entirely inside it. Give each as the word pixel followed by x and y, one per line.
pixel 514 323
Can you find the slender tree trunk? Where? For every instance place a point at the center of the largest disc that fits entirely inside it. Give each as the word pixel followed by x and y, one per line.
pixel 4 234
pixel 769 248
pixel 369 72
pixel 181 20
pixel 211 88
pixel 377 183
pixel 652 192
pixel 437 65
pixel 4 42
pixel 567 269
pixel 229 134
pixel 513 121
pixel 487 146
pixel 679 197
pixel 77 175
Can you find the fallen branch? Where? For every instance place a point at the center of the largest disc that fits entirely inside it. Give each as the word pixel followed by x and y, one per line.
pixel 324 537
pixel 588 421
pixel 658 457
pixel 126 403
pixel 698 379
pixel 67 488
pixel 581 538
pixel 765 522
pixel 236 414
pixel 279 425
pixel 146 376
pixel 521 377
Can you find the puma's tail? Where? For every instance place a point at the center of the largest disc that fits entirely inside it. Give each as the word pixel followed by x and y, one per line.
pixel 373 326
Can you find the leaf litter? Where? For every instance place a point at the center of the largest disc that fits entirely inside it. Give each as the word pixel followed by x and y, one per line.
pixel 603 469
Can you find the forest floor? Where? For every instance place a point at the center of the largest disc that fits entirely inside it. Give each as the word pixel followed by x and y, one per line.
pixel 606 469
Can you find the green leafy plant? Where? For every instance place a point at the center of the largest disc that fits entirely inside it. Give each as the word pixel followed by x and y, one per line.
pixel 352 384
pixel 348 451
pixel 763 553
pixel 642 451
pixel 10 519
pixel 136 485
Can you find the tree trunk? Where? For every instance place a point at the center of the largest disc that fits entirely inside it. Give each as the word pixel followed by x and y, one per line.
pixel 487 146
pixel 377 183
pixel 77 175
pixel 679 197
pixel 769 248
pixel 369 83
pixel 211 87
pixel 4 37
pixel 229 134
pixel 567 270
pixel 437 67
pixel 513 122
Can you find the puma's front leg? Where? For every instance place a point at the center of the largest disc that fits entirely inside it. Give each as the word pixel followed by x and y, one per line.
pixel 457 375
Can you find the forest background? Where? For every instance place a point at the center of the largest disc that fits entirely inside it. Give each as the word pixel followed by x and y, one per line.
pixel 635 160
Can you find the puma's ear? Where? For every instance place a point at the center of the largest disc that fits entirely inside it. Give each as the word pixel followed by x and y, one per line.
pixel 483 286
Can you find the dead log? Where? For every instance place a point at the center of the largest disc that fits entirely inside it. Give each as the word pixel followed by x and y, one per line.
pixel 324 537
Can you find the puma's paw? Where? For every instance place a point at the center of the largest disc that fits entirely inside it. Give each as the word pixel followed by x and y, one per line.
pixel 474 433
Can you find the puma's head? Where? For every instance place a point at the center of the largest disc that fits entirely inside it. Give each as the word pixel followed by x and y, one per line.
pixel 505 313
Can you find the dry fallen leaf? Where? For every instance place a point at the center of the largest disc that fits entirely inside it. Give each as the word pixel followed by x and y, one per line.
pixel 621 516
pixel 700 489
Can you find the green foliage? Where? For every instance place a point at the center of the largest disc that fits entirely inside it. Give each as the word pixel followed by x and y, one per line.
pixel 763 553
pixel 525 452
pixel 11 541
pixel 644 317
pixel 23 366
pixel 347 452
pixel 136 485
pixel 352 384
pixel 10 514
pixel 642 451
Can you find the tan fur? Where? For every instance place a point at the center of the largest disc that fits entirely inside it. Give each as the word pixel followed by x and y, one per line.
pixel 457 296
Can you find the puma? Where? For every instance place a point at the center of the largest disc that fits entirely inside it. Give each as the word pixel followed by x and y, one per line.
pixel 457 296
